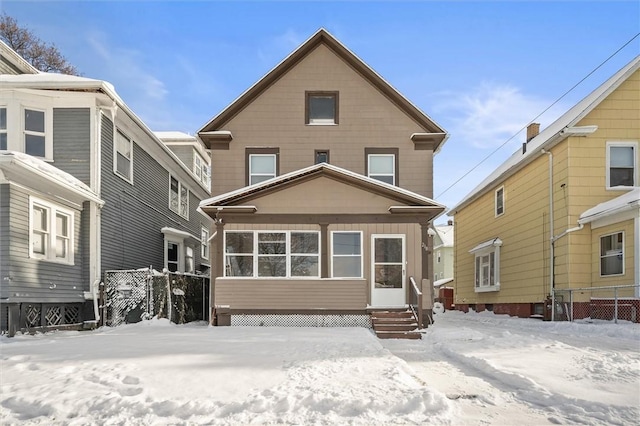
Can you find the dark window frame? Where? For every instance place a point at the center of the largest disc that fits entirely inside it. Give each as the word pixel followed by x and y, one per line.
pixel 264 151
pixel 383 151
pixel 320 151
pixel 336 111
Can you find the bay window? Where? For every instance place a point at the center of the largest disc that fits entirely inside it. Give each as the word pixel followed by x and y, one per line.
pixel 487 265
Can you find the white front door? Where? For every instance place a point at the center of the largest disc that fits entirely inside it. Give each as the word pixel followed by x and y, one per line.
pixel 388 284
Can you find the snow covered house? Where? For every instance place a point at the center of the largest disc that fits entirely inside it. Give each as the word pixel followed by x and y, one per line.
pixel 321 194
pixel 558 224
pixel 85 187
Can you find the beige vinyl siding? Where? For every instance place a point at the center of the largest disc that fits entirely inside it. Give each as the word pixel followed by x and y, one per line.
pixel 336 294
pixel 350 294
pixel 367 118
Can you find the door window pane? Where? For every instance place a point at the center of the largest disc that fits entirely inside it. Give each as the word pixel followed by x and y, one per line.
pixel 172 256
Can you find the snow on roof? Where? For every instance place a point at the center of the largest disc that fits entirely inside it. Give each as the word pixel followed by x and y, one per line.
pixel 174 136
pixel 309 170
pixel 440 283
pixel 16 60
pixel 51 172
pixel 446 233
pixel 555 132
pixel 627 201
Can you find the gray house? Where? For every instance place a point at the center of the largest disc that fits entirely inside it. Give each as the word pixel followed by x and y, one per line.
pixel 85 187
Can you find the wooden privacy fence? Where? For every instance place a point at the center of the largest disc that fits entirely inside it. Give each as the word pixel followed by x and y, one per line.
pixel 614 303
pixel 130 296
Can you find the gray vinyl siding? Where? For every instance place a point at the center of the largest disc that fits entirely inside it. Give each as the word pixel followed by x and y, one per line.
pixel 184 153
pixel 133 215
pixel 35 280
pixel 72 141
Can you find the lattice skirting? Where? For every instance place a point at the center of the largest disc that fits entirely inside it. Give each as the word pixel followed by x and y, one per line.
pixel 299 320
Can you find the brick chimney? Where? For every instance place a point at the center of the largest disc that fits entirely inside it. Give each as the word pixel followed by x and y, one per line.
pixel 532 131
pixel 450 222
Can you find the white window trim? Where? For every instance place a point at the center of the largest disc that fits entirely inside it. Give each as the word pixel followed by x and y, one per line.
pixel 288 254
pixel 342 255
pixel 115 156
pixel 275 166
pixel 484 249
pixel 201 170
pixel 181 186
pixel 393 165
pixel 53 210
pixel 495 201
pixel 204 242
pixel 600 255
pixel 180 244
pixel 48 130
pixel 632 144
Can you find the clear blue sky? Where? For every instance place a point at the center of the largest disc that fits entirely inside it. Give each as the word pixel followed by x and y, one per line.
pixel 481 69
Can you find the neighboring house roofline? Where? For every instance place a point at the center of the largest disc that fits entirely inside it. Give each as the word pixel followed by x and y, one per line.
pixel 391 191
pixel 445 233
pixel 50 81
pixel 18 167
pixel 322 36
pixel 185 139
pixel 16 60
pixel 626 202
pixel 557 131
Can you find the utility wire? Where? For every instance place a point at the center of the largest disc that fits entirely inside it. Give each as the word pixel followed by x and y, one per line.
pixel 538 116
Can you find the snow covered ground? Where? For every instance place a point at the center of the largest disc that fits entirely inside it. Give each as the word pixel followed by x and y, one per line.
pixel 470 369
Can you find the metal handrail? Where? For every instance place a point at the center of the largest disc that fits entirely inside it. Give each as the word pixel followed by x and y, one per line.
pixel 418 294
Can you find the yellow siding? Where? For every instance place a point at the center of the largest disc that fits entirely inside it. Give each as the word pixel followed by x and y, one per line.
pixel 579 184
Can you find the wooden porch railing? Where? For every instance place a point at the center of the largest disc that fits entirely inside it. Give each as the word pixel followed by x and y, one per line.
pixel 415 301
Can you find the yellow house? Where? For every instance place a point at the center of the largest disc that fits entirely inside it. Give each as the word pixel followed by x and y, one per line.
pixel 572 194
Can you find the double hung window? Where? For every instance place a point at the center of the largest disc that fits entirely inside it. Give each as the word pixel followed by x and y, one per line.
pixel 261 164
pixel 123 157
pixel 272 254
pixel 51 232
pixel 178 198
pixel 382 164
pixel 346 257
pixel 499 202
pixel 34 132
pixel 622 167
pixel 612 254
pixel 204 242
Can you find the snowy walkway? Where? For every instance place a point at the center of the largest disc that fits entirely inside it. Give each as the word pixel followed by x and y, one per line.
pixel 470 369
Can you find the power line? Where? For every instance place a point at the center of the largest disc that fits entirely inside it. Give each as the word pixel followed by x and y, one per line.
pixel 538 116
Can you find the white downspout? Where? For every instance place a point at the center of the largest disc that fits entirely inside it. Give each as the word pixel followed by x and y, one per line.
pixel 551 238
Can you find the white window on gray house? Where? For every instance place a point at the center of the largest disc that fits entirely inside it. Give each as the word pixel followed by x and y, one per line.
pixel 204 242
pixel 178 197
pixel 261 167
pixel 439 259
pixel 51 232
pixel 622 167
pixel 173 256
pixel 189 265
pixel 3 129
pixel 271 254
pixel 382 167
pixel 123 157
pixel 322 108
pixel 201 169
pixel 499 203
pixel 34 132
pixel 612 254
pixel 487 265
pixel 346 254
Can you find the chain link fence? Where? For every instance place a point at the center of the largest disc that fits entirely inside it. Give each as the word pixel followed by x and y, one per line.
pixel 615 303
pixel 134 295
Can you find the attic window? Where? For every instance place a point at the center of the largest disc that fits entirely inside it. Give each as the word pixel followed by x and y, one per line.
pixel 321 108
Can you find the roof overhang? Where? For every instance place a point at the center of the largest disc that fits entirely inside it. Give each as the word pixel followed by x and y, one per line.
pixel 35 174
pixel 624 207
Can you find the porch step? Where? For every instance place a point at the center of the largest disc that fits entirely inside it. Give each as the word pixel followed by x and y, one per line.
pixel 395 325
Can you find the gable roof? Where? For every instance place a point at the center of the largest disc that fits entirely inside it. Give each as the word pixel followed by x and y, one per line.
pixel 445 233
pixel 233 198
pixel 323 37
pixel 557 131
pixel 10 60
